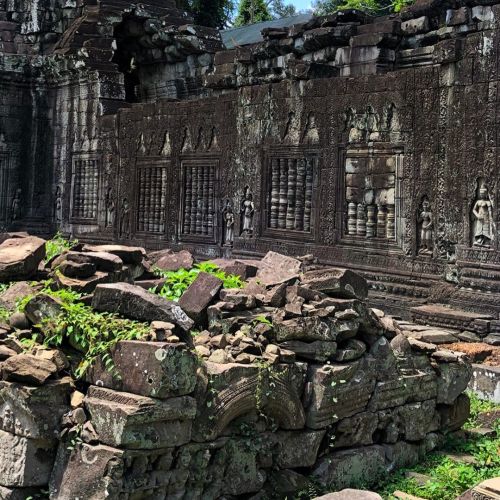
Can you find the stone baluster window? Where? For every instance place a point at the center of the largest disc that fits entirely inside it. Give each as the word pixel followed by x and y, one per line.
pixel 198 211
pixel 152 199
pixel 290 193
pixel 85 182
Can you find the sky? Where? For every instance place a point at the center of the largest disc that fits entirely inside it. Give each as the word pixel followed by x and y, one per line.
pixel 301 4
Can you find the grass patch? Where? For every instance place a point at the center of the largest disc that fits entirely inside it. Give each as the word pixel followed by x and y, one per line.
pixel 448 478
pixel 176 282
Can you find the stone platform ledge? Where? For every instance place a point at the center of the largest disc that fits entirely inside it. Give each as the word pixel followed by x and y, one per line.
pixel 447 317
pixel 485 382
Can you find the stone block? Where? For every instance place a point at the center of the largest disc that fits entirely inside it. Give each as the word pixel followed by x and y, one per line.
pixel 275 269
pixel 42 307
pixel 337 282
pixel 154 369
pixel 319 350
pixel 485 382
pixel 415 26
pixel 295 448
pixel 17 291
pixel 28 369
pixel 455 415
pixel 454 17
pixel 18 493
pixel 25 462
pixel 174 261
pixel 237 389
pixel 136 303
pixel 34 412
pixel 334 392
pixel 128 254
pixel 20 257
pixel 127 420
pixel 195 300
pixel 345 468
pixel 453 379
pixel 350 494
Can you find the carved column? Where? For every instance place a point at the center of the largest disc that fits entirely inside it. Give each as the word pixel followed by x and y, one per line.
pixel 194 200
pixel 308 195
pixel 381 221
pixel 282 195
pixel 361 220
pixel 292 181
pixel 371 223
pixel 351 218
pixel 210 217
pixel 391 220
pixel 187 201
pixel 299 195
pixel 275 181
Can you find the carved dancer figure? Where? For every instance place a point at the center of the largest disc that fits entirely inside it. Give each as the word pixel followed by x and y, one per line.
pixel 426 222
pixel 109 203
pixel 125 218
pixel 16 205
pixel 58 205
pixel 483 219
pixel 228 217
pixel 247 211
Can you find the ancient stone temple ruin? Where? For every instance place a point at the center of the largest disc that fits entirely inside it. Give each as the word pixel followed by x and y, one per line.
pixel 364 143
pixel 370 142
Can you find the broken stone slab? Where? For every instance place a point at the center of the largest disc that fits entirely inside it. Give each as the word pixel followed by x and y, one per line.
pixel 433 336
pixel 352 349
pixel 103 261
pixel 25 462
pixel 128 420
pixel 14 293
pixel 292 449
pixel 198 296
pixel 350 494
pixel 303 328
pixel 28 369
pixel 319 350
pixel 99 471
pixel 276 268
pixel 77 270
pixel 342 469
pixel 88 285
pixel 337 283
pixel 42 307
pixel 485 382
pixel 34 412
pixel 244 269
pixel 453 416
pixel 20 257
pixel 453 379
pixel 154 369
pixel 237 389
pixel 334 392
pixel 174 261
pixel 129 255
pixel 489 489
pixel 18 493
pixel 136 303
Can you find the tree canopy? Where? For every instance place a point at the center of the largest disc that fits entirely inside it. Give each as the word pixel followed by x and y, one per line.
pixel 375 7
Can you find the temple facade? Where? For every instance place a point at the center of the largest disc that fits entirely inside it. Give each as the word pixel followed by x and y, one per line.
pixel 371 143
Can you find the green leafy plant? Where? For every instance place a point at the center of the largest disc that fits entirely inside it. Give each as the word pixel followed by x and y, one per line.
pixel 57 245
pixel 176 282
pixel 93 334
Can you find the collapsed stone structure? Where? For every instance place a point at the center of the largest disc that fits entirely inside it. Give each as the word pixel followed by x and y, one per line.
pixel 246 391
pixel 370 141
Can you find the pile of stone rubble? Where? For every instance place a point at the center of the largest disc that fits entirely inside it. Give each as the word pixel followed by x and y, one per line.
pixel 246 391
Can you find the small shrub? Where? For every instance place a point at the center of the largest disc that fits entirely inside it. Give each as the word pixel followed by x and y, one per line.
pixel 178 281
pixel 57 245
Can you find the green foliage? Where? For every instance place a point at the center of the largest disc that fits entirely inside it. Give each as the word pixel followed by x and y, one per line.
pixel 212 13
pixel 57 245
pixel 91 333
pixel 252 11
pixel 372 7
pixel 450 478
pixel 478 406
pixel 178 281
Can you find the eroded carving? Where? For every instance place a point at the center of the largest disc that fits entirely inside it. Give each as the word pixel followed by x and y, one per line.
pixel 482 217
pixel 426 228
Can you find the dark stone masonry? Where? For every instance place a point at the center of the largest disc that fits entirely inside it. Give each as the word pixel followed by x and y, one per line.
pixel 370 142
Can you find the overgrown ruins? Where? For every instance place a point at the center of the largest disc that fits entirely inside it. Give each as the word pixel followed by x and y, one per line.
pixel 368 144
